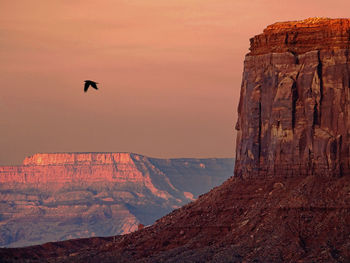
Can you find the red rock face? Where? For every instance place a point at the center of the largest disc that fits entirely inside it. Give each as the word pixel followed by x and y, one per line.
pixel 61 168
pixel 294 108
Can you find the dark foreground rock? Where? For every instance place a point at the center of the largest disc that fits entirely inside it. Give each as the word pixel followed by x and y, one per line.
pixel 304 219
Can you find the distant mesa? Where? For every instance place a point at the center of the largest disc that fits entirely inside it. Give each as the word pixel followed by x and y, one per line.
pixel 70 195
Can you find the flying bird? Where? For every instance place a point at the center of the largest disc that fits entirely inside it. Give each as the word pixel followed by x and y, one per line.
pixel 89 83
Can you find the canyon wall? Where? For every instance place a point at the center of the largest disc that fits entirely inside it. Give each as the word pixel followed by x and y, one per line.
pixel 58 196
pixel 294 108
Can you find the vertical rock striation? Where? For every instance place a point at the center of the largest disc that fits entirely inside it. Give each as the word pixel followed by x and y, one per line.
pixel 294 108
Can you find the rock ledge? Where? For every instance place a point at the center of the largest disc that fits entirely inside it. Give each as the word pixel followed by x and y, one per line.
pixel 302 36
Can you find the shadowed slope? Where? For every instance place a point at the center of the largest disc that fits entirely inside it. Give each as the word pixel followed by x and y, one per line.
pixel 265 219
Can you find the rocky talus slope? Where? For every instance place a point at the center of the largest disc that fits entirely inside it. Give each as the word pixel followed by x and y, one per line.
pixel 289 200
pixel 59 196
pixel 303 219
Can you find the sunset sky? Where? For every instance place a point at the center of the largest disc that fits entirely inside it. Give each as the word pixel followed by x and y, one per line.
pixel 169 73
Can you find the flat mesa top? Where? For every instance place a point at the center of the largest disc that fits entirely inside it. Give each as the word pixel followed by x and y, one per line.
pixel 311 22
pixel 298 37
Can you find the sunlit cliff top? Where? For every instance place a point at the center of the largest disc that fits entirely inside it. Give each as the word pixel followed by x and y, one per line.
pixel 302 36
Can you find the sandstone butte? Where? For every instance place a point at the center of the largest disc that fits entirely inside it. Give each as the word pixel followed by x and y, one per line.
pixel 294 114
pixel 60 196
pixel 289 200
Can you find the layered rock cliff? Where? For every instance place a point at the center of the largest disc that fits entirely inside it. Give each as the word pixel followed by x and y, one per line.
pixel 294 109
pixel 59 196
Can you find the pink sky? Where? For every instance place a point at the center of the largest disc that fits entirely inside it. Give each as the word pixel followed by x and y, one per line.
pixel 170 73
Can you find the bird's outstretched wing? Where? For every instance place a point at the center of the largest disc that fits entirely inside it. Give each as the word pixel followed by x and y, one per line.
pixel 86 86
pixel 93 84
